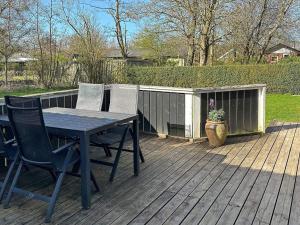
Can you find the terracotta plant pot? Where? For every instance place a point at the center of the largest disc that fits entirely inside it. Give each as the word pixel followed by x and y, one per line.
pixel 216 132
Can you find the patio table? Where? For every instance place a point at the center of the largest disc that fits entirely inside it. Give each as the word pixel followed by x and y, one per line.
pixel 83 124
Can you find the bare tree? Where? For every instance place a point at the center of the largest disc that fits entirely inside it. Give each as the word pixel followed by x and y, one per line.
pixel 253 24
pixel 195 20
pixel 48 42
pixel 250 27
pixel 39 41
pixel 14 28
pixel 87 41
pixel 282 10
pixel 208 22
pixel 115 12
pixel 181 17
pixel 157 46
pixel 116 9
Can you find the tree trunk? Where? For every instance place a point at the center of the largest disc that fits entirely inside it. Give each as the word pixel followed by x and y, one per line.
pixel 50 45
pixel 40 71
pixel 191 53
pixel 204 50
pixel 6 69
pixel 204 56
pixel 246 55
pixel 211 55
pixel 192 36
pixel 119 34
pixel 264 48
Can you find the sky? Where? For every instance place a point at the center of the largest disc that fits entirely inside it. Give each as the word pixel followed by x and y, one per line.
pixel 103 19
pixel 106 20
pixel 107 23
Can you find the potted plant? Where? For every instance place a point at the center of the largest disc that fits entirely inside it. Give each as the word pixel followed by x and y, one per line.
pixel 216 127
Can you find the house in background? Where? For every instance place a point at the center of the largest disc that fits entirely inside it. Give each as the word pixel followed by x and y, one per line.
pixel 21 58
pixel 280 51
pixel 19 61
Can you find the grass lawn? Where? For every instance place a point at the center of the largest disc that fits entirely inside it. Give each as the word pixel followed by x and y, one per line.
pixel 30 90
pixel 282 107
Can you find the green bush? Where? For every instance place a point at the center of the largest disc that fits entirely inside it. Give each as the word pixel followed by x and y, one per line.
pixel 280 78
pixel 290 59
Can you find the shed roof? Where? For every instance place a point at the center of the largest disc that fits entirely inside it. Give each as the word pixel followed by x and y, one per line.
pixel 20 57
pixel 280 46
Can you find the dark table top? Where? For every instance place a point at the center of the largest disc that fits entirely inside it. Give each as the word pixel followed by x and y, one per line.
pixel 77 120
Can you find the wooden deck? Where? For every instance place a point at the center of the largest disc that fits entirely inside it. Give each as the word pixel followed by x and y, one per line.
pixel 251 180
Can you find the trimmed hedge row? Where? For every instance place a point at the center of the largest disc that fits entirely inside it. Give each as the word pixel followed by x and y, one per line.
pixel 280 78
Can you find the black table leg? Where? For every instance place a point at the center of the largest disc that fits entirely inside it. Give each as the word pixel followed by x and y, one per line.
pixel 136 161
pixel 85 171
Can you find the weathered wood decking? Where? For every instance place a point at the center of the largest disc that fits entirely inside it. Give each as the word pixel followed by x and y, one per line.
pixel 251 180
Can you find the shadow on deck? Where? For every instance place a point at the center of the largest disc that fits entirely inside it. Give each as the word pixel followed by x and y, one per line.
pixel 250 180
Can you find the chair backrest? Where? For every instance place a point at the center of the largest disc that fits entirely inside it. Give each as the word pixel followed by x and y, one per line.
pixel 24 102
pixel 90 96
pixel 18 102
pixel 124 98
pixel 30 132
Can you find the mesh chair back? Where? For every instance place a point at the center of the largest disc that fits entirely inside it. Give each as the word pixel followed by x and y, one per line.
pixel 124 98
pixel 90 96
pixel 25 102
pixel 30 132
pixel 2 140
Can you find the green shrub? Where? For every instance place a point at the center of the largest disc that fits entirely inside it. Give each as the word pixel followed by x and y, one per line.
pixel 290 59
pixel 280 78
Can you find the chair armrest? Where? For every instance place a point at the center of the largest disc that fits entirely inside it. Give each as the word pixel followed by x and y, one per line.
pixel 70 144
pixel 9 142
pixel 125 124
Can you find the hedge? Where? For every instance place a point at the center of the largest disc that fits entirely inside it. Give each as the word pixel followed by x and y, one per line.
pixel 280 78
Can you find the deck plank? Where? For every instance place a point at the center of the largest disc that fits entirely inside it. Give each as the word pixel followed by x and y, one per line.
pixel 265 211
pixel 228 179
pixel 284 200
pixel 34 209
pixel 201 169
pixel 252 179
pixel 295 208
pixel 71 208
pixel 179 167
pixel 229 205
pixel 122 190
pixel 253 200
pixel 201 177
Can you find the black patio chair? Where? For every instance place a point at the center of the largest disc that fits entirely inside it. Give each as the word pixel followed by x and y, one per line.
pixel 123 99
pixel 8 145
pixel 35 150
pixel 24 102
pixel 8 151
